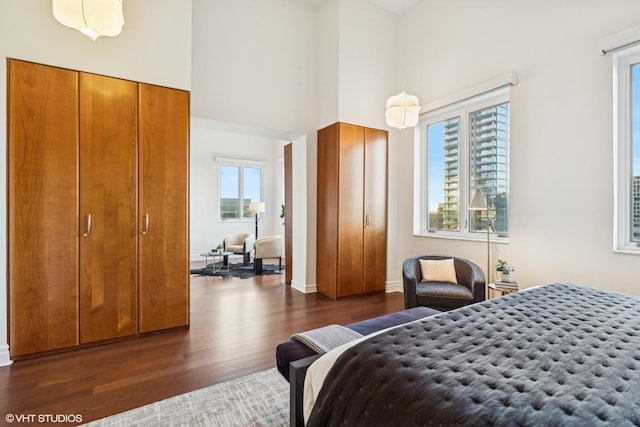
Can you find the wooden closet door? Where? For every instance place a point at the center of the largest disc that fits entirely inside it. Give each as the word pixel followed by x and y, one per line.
pixel 108 201
pixel 43 207
pixel 350 210
pixel 163 207
pixel 288 213
pixel 327 211
pixel 375 210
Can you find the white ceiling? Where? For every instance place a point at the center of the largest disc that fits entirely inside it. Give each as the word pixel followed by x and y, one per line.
pixel 396 6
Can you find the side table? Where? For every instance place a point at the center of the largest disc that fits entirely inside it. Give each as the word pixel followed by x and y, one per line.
pixel 216 257
pixel 504 288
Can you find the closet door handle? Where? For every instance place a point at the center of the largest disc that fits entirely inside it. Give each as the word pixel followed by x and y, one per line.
pixel 88 226
pixel 366 221
pixel 145 230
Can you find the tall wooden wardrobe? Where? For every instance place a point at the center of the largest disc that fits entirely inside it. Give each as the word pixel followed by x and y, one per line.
pixel 352 210
pixel 98 208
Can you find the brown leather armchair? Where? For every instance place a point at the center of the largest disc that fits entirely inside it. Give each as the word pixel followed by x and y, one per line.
pixel 442 296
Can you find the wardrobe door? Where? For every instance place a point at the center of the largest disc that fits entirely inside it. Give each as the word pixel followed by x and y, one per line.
pixel 288 213
pixel 108 201
pixel 43 207
pixel 375 210
pixel 350 210
pixel 327 211
pixel 163 207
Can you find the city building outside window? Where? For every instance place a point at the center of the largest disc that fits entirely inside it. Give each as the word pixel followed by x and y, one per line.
pixel 464 147
pixel 239 186
pixel 627 150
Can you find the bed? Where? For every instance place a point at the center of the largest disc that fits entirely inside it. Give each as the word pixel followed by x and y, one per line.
pixel 560 354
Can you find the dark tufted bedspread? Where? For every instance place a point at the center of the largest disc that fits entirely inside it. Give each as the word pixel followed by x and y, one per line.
pixel 559 355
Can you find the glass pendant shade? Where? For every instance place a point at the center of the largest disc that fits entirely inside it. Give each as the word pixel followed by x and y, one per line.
pixel 402 111
pixel 93 18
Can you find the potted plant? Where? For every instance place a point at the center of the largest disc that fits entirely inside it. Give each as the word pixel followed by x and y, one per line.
pixel 505 270
pixel 282 211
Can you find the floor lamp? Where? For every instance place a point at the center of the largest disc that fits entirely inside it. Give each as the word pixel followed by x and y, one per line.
pixel 478 203
pixel 256 208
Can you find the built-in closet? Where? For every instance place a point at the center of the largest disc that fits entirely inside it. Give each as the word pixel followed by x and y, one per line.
pixel 98 208
pixel 352 210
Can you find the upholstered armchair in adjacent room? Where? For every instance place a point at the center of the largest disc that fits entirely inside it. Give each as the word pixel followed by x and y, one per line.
pixel 268 247
pixel 241 244
pixel 441 282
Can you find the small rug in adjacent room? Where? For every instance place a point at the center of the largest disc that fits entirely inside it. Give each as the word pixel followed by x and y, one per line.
pixel 260 399
pixel 238 270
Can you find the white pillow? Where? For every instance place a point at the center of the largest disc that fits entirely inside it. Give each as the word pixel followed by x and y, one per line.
pixel 438 270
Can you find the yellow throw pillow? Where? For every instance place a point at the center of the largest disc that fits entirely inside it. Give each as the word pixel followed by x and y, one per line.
pixel 438 270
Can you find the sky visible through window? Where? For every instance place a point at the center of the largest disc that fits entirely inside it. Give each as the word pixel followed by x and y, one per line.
pixel 435 136
pixel 239 186
pixel 252 184
pixel 229 185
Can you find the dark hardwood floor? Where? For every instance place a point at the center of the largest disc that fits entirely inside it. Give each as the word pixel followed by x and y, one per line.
pixel 235 327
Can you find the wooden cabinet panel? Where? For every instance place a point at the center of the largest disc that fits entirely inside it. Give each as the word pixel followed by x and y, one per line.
pixel 288 213
pixel 43 208
pixel 352 210
pixel 327 211
pixel 94 160
pixel 108 202
pixel 163 207
pixel 350 204
pixel 375 210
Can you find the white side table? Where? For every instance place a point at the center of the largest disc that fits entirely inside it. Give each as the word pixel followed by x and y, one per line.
pixel 504 288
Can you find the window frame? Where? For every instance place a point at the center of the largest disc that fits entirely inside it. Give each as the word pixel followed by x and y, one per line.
pixel 462 110
pixel 623 150
pixel 241 167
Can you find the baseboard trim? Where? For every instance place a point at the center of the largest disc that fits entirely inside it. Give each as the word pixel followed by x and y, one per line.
pixel 305 289
pixel 395 286
pixel 5 357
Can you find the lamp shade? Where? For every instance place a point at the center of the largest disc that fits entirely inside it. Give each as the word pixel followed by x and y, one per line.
pixel 402 111
pixel 256 207
pixel 477 202
pixel 93 18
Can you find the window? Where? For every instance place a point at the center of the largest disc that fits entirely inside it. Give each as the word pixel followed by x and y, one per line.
pixel 627 146
pixel 239 186
pixel 464 147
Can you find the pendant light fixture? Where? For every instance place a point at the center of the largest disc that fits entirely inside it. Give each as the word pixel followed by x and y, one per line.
pixel 402 111
pixel 93 18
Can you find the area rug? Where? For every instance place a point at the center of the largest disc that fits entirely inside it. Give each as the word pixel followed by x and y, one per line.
pixel 237 270
pixel 260 399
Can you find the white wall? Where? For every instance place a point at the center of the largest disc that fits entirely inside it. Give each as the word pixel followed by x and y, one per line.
pixel 357 57
pixel 368 70
pixel 561 130
pixel 328 56
pixel 28 31
pixel 207 144
pixel 254 64
pixel 290 66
